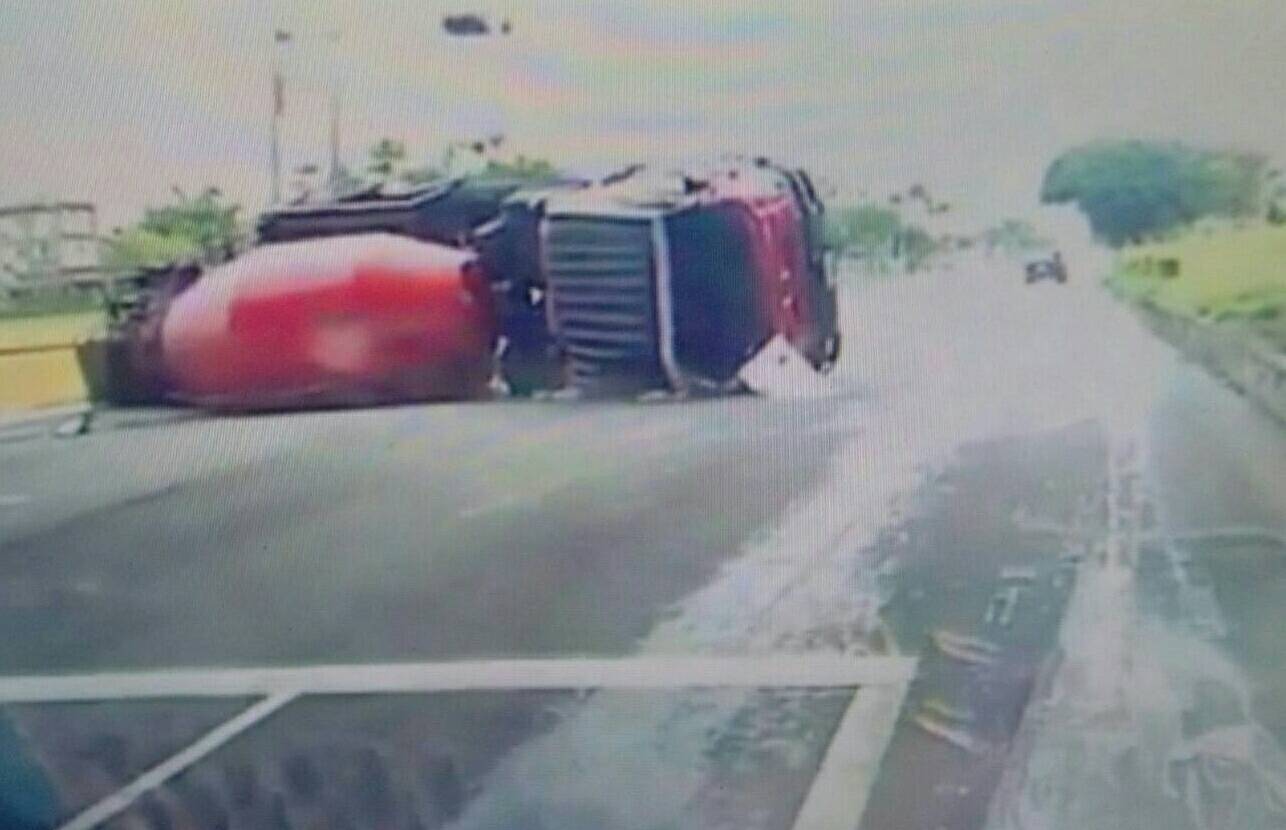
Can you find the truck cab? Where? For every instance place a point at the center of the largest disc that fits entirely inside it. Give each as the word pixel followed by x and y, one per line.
pixel 658 280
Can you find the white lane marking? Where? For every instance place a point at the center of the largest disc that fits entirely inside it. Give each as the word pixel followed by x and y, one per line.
pixel 1230 533
pixel 502 503
pixel 120 800
pixel 766 671
pixel 13 500
pixel 839 792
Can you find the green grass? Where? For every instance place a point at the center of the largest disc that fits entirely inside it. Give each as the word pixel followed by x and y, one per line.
pixel 1219 276
pixel 46 305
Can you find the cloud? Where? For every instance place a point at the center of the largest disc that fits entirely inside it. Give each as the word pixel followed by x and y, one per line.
pixel 971 97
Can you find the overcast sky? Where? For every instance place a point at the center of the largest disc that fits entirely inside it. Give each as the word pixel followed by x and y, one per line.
pixel 117 101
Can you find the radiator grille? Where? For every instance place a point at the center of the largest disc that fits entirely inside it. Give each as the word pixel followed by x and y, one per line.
pixel 600 276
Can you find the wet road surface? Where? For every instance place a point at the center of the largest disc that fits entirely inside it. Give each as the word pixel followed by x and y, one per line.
pixel 904 500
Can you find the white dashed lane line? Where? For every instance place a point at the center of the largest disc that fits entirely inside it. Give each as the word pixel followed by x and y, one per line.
pixel 652 672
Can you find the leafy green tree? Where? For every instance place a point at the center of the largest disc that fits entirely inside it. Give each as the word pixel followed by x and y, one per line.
pixel 205 227
pixel 863 230
pixel 388 162
pixel 1013 236
pixel 421 175
pixel 386 159
pixel 917 246
pixel 132 248
pixel 878 234
pixel 1131 191
pixel 1223 184
pixel 521 167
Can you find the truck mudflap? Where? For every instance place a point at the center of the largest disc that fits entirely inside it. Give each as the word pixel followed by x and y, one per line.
pixel 354 320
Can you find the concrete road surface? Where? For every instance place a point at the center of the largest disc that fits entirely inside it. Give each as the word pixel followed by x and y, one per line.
pixel 837 521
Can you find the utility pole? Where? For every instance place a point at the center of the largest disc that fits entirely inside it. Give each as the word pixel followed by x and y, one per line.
pixel 280 38
pixel 336 166
pixel 333 175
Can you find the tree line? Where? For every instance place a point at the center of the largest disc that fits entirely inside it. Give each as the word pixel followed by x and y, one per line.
pixel 210 227
pixel 1134 191
pixel 1130 191
pixel 882 233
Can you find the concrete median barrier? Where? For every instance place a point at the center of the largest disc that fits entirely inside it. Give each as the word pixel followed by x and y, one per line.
pixel 35 377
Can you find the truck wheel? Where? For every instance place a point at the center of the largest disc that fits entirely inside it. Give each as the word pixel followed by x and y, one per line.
pixel 528 373
pixel 830 352
pixel 521 384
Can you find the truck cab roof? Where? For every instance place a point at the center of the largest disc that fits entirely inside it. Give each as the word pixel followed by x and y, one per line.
pixel 445 212
pixel 650 190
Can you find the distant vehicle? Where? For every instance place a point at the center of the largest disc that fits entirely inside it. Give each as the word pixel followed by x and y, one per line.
pixel 1051 268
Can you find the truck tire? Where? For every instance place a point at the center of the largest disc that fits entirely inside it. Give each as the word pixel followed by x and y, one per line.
pixel 831 347
pixel 527 371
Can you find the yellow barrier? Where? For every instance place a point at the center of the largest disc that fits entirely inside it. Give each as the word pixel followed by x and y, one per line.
pixel 38 365
pixel 46 376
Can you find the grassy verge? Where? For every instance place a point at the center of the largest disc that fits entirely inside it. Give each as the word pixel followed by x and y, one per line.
pixel 55 305
pixel 1236 277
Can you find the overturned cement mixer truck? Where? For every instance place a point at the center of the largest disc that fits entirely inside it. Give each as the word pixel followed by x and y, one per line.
pixel 639 282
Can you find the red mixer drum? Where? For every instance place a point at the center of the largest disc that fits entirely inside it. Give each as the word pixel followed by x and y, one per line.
pixel 353 320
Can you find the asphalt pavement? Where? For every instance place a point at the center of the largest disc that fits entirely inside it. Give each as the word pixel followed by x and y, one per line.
pixel 968 408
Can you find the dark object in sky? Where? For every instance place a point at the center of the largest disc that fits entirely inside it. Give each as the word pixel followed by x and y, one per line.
pixel 471 25
pixel 466 24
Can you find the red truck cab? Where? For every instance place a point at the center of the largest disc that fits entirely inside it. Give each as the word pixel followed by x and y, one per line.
pixel 674 281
